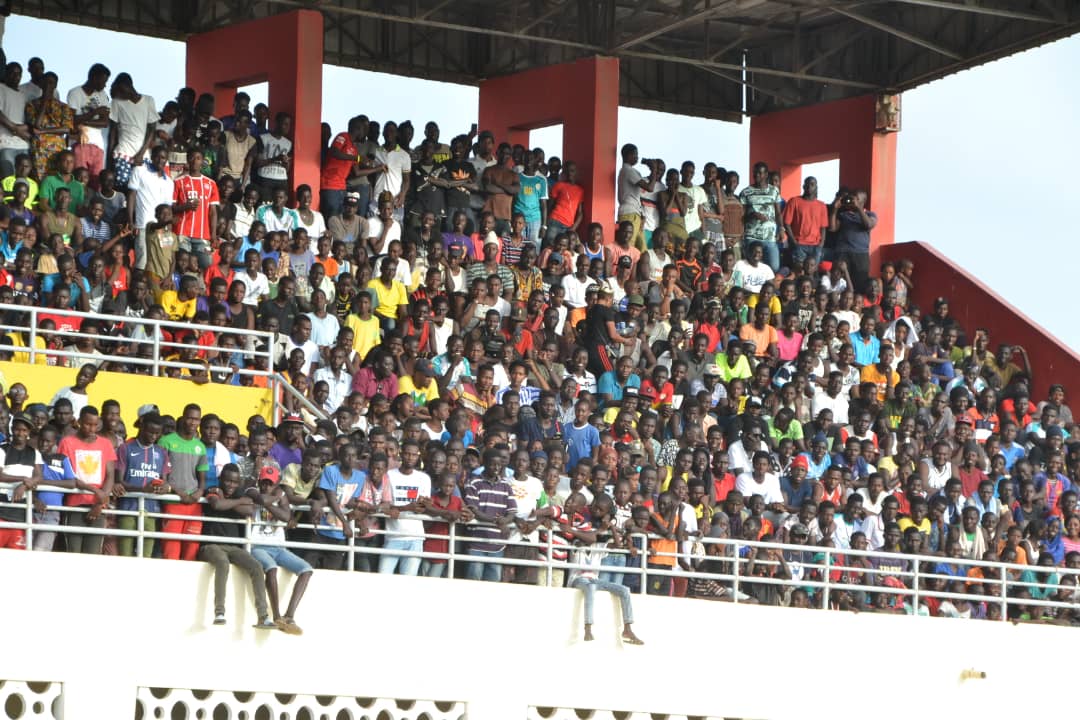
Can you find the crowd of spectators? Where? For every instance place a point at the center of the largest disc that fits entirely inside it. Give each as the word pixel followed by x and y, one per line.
pixel 719 363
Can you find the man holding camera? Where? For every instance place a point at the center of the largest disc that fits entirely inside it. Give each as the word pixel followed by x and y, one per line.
pixel 852 222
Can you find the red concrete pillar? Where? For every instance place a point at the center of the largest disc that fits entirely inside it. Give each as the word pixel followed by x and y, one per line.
pixel 584 97
pixel 222 60
pixel 841 130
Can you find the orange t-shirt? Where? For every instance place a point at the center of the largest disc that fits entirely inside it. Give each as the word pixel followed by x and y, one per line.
pixel 762 338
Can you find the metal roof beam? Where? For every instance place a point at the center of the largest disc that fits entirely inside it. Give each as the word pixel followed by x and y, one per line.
pixel 688 19
pixel 697 62
pixel 426 22
pixel 980 10
pixel 898 32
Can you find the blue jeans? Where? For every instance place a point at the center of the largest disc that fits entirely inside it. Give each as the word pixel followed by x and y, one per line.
pixel 532 234
pixel 491 572
pixel 403 564
pixel 613 561
pixel 554 230
pixel 589 586
pixel 801 252
pixel 429 568
pixel 330 202
pixel 771 253
pixel 274 556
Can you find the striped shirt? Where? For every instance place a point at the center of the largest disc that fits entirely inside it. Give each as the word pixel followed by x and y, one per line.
pixel 493 498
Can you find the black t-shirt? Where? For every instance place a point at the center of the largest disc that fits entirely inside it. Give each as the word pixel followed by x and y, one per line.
pixel 458 170
pixel 426 196
pixel 596 331
pixel 212 528
pixel 13 456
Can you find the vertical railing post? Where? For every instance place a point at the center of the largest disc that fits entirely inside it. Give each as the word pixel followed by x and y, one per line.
pixel 643 570
pixel 549 560
pixel 735 573
pixel 156 330
pixel 452 547
pixel 1004 594
pixel 29 497
pixel 351 544
pixel 140 527
pixel 916 584
pixel 33 335
pixel 828 579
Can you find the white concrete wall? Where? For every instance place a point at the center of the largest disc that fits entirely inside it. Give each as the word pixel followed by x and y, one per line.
pixel 107 626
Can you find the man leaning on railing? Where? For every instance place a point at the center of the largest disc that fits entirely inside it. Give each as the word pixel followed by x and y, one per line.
pixel 22 466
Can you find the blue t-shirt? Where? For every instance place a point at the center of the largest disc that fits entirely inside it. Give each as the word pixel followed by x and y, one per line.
pixel 1012 453
pixel 534 189
pixel 345 489
pixel 609 384
pixel 579 443
pixel 57 468
pixel 138 465
pixel 50 281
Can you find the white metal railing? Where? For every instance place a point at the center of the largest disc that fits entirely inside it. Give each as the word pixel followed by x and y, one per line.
pixel 159 349
pixel 824 571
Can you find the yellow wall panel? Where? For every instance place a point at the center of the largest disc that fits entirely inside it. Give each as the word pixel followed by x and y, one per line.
pixel 231 403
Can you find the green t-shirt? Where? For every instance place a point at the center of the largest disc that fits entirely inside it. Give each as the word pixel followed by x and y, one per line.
pixel 187 458
pixel 52 183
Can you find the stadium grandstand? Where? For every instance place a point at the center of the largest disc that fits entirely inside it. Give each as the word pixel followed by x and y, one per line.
pixel 232 338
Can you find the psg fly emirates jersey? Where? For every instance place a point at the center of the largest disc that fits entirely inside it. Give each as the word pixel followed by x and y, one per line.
pixel 195 223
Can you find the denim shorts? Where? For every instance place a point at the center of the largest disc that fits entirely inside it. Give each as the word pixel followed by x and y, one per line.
pixel 272 556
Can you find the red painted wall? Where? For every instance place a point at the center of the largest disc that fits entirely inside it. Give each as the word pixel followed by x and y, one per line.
pixel 842 129
pixel 584 97
pixel 975 305
pixel 285 50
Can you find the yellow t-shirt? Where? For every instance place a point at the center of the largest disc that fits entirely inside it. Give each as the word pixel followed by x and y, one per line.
pixel 365 333
pixel 774 304
pixel 387 299
pixel 421 396
pixel 175 308
pixel 24 357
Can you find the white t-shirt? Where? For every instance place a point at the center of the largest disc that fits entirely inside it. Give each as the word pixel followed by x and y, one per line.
pixel 151 189
pixel 253 287
pixel 629 191
pixel 13 105
pixel 752 278
pixel 575 290
pixel 83 103
pixel 272 147
pixel 696 197
pixel 398 164
pixel 527 494
pixel 315 230
pixel 407 489
pixel 375 228
pixel 78 401
pixel 310 350
pixel 838 405
pixel 30 91
pixel 769 489
pixel 131 120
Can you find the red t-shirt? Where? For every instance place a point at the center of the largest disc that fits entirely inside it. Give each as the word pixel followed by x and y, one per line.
pixel 69 323
pixel 566 198
pixel 195 223
pixel 441 545
pixel 335 172
pixel 89 460
pixel 806 218
pixel 663 394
